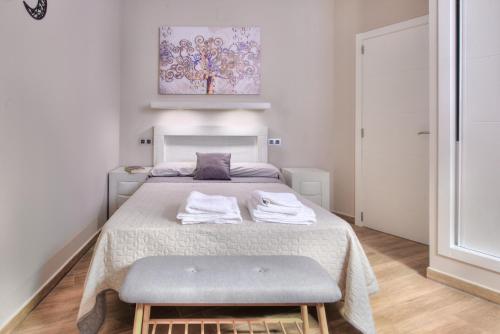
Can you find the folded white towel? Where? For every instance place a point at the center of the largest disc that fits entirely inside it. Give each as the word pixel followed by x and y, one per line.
pixel 216 221
pixel 281 199
pixel 189 218
pixel 305 217
pixel 273 208
pixel 200 203
pixel 201 209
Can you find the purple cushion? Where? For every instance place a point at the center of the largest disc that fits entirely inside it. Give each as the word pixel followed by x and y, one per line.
pixel 213 166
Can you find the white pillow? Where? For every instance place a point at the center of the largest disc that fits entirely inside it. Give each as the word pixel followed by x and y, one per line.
pixel 174 169
pixel 238 169
pixel 254 169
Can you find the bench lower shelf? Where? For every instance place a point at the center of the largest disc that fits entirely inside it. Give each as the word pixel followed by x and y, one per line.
pixel 143 323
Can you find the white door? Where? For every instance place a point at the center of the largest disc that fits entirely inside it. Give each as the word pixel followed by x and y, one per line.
pixel 392 110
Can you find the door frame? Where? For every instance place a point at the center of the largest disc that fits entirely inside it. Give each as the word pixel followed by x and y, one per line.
pixel 360 38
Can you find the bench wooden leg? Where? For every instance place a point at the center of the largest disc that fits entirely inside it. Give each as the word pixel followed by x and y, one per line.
pixel 305 318
pixel 139 310
pixel 145 319
pixel 323 324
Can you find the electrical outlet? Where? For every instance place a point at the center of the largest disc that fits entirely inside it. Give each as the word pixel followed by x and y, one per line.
pixel 144 141
pixel 275 141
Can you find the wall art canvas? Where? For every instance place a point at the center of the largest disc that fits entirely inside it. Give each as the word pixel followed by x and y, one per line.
pixel 210 60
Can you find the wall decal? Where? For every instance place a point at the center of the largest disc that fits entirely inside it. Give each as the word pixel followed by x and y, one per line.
pixel 39 11
pixel 209 60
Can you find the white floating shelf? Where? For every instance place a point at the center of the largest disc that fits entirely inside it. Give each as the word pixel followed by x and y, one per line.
pixel 173 105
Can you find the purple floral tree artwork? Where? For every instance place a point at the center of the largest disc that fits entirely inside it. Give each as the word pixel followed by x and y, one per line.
pixel 208 60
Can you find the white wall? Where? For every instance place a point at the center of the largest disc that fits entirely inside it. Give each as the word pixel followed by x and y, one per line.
pixel 353 17
pixel 297 74
pixel 59 117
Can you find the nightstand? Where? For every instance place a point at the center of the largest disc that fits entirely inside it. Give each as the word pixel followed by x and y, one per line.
pixel 311 183
pixel 122 185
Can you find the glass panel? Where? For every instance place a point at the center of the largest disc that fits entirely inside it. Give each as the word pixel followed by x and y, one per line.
pixel 479 154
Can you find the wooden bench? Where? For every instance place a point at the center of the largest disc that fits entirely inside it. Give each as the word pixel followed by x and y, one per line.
pixel 228 281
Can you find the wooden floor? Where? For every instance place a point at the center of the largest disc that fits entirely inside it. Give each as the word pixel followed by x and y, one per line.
pixel 407 301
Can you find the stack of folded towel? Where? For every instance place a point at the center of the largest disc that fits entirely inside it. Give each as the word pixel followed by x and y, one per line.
pixel 283 208
pixel 206 209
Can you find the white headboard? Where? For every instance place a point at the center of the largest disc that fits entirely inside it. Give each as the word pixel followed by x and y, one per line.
pixel 182 143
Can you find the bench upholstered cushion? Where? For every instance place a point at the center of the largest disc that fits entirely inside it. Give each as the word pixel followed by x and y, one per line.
pixel 230 280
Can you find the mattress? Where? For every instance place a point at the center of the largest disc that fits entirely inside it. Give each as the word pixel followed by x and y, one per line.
pixel 146 225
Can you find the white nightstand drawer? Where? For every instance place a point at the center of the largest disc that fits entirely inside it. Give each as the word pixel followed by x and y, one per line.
pixel 127 188
pixel 314 198
pixel 311 183
pixel 120 200
pixel 310 188
pixel 122 185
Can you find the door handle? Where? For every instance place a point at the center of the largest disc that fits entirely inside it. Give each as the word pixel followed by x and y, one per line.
pixel 423 133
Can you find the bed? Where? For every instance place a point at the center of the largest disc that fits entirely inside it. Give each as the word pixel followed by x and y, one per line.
pixel 146 225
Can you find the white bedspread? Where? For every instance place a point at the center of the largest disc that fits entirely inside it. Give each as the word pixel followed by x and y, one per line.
pixel 146 225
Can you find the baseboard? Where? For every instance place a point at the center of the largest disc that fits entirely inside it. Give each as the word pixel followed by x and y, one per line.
pixel 464 285
pixel 46 288
pixel 346 217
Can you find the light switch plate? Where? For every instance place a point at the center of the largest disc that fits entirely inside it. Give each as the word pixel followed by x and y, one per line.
pixel 275 141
